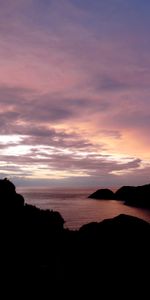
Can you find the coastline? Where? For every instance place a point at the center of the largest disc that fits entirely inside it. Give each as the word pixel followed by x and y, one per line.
pixel 36 242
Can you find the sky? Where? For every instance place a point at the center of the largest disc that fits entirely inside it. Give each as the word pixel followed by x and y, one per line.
pixel 75 92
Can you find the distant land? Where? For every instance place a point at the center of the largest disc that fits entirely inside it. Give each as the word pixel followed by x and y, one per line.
pixel 138 196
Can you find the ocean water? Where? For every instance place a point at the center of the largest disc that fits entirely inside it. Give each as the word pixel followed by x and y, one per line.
pixel 75 206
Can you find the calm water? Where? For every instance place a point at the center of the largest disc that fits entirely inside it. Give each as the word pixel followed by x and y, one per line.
pixel 76 208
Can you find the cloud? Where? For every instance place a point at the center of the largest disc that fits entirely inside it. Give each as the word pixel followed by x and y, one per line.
pixel 74 88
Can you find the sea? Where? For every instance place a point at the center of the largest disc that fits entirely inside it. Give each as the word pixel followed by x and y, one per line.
pixel 75 206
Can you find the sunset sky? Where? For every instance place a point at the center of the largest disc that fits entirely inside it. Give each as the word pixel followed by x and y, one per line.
pixel 75 92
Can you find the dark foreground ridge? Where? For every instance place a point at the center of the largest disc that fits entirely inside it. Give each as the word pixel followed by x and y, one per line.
pixel 138 196
pixel 36 248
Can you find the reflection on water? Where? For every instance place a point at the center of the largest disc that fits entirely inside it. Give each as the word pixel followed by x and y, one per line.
pixel 76 208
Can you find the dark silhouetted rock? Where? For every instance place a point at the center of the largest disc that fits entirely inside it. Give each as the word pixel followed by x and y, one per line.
pixel 10 200
pixel 135 196
pixel 102 194
pixel 7 187
pixel 125 192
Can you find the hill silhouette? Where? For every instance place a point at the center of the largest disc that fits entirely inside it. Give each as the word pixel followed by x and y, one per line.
pixel 105 194
pixel 138 196
pixel 35 246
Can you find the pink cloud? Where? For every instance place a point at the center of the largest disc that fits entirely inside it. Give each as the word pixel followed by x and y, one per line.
pixel 60 74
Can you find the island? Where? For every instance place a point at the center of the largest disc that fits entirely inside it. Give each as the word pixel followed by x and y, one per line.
pixel 104 194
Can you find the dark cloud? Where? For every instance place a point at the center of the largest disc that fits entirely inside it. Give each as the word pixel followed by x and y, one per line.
pixel 58 140
pixel 107 83
pixel 22 104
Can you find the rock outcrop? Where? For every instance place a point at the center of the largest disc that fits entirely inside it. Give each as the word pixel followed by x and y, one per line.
pixel 9 199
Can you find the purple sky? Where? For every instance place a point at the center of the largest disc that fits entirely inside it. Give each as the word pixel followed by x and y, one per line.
pixel 74 92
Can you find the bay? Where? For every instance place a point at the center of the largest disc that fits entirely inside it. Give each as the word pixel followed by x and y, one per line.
pixel 75 206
